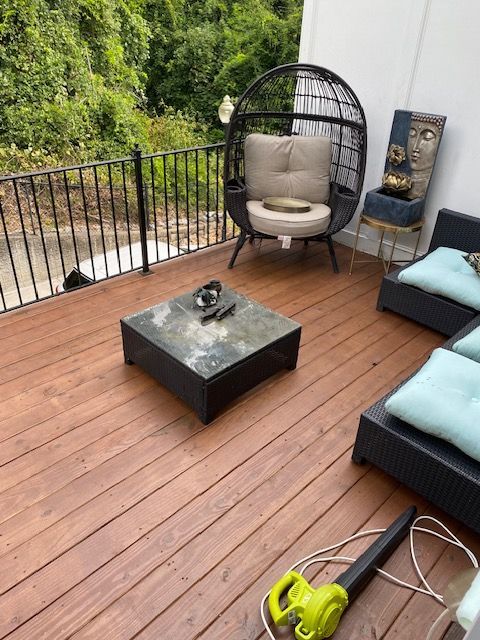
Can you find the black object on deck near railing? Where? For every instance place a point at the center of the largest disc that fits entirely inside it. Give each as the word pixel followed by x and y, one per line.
pixel 72 226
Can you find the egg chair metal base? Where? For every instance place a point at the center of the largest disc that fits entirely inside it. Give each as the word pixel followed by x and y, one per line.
pixel 242 238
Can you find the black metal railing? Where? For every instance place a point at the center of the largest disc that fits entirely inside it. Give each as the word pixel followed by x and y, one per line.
pixel 72 226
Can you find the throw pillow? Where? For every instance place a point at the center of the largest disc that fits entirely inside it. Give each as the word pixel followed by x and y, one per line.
pixel 444 272
pixel 442 399
pixel 469 346
pixel 473 259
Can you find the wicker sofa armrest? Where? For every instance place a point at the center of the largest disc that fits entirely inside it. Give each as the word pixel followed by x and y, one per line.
pixel 236 203
pixel 456 230
pixel 343 203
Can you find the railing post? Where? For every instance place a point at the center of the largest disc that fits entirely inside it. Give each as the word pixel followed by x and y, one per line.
pixel 142 217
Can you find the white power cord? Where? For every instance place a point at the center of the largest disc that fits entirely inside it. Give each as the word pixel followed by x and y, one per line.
pixel 313 558
pixel 436 624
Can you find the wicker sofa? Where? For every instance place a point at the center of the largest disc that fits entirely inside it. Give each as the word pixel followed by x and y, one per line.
pixel 452 229
pixel 432 467
pixel 435 469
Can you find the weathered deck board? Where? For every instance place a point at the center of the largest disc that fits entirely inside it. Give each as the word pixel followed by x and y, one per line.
pixel 122 516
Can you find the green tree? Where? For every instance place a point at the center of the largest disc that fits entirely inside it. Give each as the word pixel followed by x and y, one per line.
pixel 200 50
pixel 86 79
pixel 260 36
pixel 71 76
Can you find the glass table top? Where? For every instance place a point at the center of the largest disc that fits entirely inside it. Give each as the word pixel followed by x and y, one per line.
pixel 175 327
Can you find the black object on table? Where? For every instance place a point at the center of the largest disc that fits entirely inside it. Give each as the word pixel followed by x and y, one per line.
pixel 209 365
pixel 225 310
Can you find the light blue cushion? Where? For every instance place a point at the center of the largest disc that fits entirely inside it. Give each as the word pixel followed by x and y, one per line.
pixel 443 399
pixel 469 346
pixel 445 273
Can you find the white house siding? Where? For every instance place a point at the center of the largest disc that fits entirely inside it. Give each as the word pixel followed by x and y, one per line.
pixel 422 55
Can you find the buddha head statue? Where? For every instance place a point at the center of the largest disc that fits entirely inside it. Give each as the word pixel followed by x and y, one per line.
pixel 422 145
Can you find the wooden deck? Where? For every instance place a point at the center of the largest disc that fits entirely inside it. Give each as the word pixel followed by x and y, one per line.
pixel 123 517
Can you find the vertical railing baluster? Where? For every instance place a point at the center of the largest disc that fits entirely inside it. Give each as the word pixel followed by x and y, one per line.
pixel 30 214
pixel 87 222
pixel 4 302
pixel 224 221
pixel 114 218
pixel 208 199
pixel 70 215
pixel 127 214
pixel 24 233
pixel 165 197
pixel 142 218
pixel 154 205
pixel 217 192
pixel 146 205
pixel 42 237
pixel 100 217
pixel 10 254
pixel 187 204
pixel 175 173
pixel 57 230
pixel 197 211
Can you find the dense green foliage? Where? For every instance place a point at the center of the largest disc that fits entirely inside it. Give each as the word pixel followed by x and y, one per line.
pixel 71 76
pixel 84 79
pixel 202 49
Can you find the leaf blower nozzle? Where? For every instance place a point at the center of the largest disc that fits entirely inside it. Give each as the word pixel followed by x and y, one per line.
pixel 316 613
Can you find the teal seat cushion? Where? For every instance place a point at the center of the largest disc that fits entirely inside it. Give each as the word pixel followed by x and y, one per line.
pixel 445 273
pixel 443 399
pixel 469 346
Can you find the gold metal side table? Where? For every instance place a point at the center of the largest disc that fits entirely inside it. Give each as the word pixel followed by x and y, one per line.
pixel 385 227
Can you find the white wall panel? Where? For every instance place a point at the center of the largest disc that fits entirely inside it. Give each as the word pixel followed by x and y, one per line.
pixel 422 55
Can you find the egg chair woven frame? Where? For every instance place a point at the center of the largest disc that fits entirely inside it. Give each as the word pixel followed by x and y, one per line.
pixel 306 100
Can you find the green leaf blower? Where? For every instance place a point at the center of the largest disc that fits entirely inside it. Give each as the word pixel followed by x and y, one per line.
pixel 317 612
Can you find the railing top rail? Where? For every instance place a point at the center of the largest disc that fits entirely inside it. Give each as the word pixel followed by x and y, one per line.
pixel 159 154
pixel 99 163
pixel 76 167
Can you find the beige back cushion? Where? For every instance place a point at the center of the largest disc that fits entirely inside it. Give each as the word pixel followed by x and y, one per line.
pixel 288 166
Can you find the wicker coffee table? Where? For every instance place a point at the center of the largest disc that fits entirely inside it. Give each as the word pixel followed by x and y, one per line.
pixel 209 365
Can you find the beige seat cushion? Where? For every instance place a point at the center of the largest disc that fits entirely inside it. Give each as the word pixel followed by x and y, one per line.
pixel 296 225
pixel 288 166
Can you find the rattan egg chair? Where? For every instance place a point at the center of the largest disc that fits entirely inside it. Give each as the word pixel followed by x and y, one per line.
pixel 297 101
